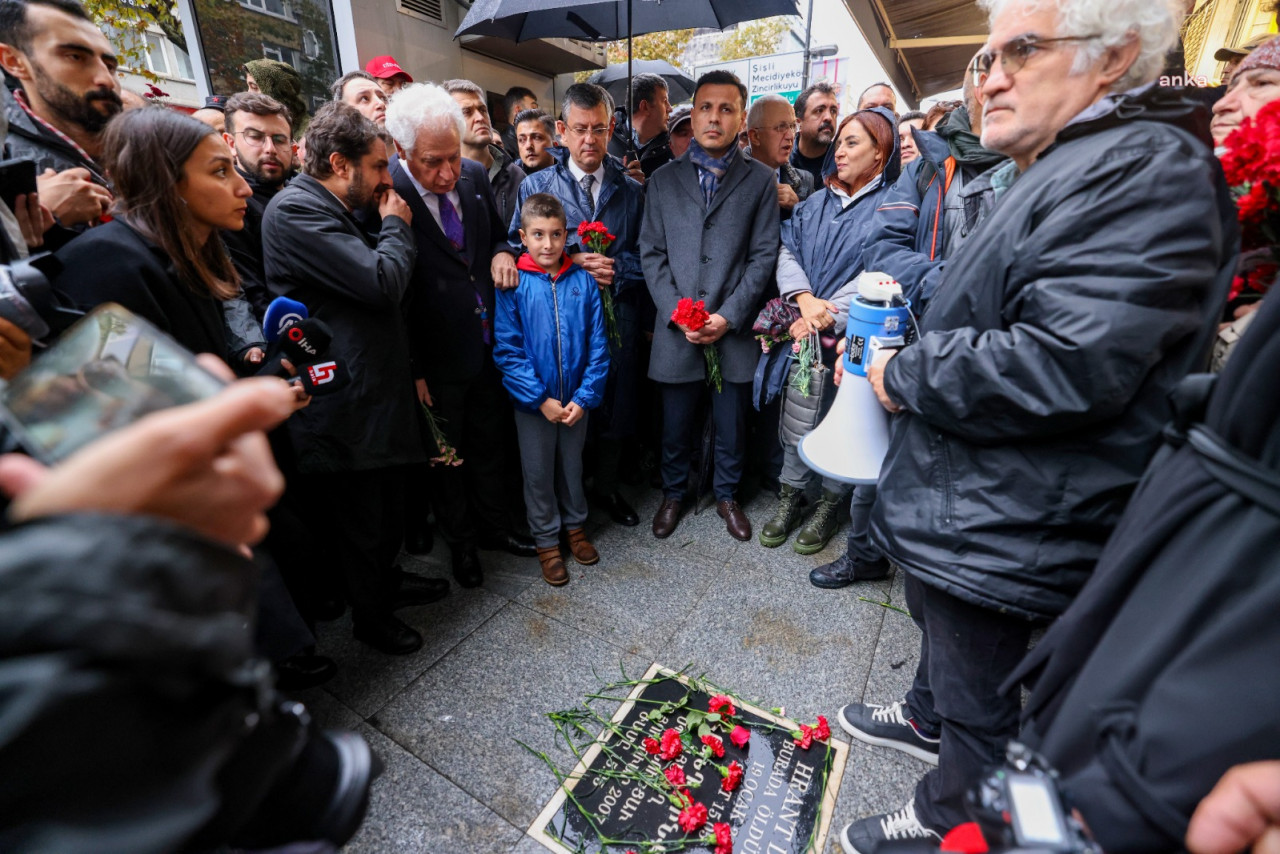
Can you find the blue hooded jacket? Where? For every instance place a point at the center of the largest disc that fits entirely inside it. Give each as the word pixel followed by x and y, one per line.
pixel 550 339
pixel 620 207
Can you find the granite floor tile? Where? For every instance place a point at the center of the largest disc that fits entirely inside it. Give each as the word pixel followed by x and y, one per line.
pixel 634 598
pixel 464 715
pixel 367 679
pixel 415 810
pixel 797 646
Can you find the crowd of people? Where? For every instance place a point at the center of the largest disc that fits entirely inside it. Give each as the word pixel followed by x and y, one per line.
pixel 515 312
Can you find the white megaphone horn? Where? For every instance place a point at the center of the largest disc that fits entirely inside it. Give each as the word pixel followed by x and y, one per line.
pixel 850 443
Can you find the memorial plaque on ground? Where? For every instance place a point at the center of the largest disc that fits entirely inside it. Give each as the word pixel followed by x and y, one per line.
pixel 782 806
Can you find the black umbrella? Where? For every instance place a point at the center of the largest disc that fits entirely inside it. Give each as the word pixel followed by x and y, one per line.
pixel 610 20
pixel 617 77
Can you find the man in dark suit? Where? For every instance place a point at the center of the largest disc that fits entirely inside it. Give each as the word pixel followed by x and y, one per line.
pixel 351 448
pixel 462 255
pixel 710 233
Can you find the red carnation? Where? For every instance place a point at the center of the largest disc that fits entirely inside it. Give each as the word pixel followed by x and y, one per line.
pixel 671 746
pixel 651 746
pixel 675 775
pixel 691 315
pixel 805 737
pixel 721 704
pixel 716 743
pixel 740 736
pixel 724 838
pixel 732 776
pixel 822 731
pixel 693 817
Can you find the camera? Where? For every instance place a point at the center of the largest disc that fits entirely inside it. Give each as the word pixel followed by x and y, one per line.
pixel 1020 808
pixel 28 300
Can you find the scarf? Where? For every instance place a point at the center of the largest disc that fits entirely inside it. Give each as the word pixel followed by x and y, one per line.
pixel 710 169
pixel 965 146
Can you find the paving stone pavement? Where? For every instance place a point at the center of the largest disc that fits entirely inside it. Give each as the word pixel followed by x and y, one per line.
pixel 496 659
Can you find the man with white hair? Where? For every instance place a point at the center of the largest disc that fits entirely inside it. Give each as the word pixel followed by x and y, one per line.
pixel 1037 390
pixel 462 255
pixel 771 127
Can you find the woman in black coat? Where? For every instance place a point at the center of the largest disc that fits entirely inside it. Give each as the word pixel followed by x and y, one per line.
pixel 161 257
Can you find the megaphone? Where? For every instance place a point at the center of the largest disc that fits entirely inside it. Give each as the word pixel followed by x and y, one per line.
pixel 850 443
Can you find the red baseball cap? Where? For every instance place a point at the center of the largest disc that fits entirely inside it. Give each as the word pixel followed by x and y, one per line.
pixel 384 67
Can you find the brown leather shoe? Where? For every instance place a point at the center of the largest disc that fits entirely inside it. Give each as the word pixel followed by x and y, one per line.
pixel 583 552
pixel 553 569
pixel 667 517
pixel 735 521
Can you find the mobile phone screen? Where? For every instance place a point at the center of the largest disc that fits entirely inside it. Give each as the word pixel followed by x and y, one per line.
pixel 107 371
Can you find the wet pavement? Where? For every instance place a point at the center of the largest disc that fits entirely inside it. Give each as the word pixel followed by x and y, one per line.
pixel 495 659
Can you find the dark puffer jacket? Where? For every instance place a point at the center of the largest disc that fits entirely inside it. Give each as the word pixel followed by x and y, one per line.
pixel 1036 393
pixel 130 687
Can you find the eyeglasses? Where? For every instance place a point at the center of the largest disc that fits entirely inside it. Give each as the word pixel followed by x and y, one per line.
pixel 256 139
pixel 784 127
pixel 597 131
pixel 1015 54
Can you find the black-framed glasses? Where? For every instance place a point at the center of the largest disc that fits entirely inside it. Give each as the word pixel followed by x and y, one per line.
pixel 256 138
pixel 1015 54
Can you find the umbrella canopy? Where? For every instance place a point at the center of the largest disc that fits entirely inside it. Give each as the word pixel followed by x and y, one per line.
pixel 610 20
pixel 615 79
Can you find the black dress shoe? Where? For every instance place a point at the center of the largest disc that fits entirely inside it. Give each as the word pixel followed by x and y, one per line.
pixel 516 544
pixel 618 509
pixel 466 567
pixel 419 541
pixel 843 571
pixel 416 590
pixel 304 671
pixel 387 634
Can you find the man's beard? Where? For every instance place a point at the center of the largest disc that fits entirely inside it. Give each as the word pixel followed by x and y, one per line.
pixel 255 172
pixel 359 196
pixel 826 133
pixel 77 109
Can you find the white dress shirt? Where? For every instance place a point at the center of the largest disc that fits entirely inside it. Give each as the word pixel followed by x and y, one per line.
pixel 577 172
pixel 433 202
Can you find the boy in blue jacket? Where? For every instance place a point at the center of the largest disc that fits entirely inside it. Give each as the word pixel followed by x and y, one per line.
pixel 551 346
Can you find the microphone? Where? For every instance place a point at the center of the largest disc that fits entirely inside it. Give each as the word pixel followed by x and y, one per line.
pixel 280 315
pixel 302 343
pixel 321 378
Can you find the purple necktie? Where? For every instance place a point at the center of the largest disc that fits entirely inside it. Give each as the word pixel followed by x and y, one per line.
pixel 450 223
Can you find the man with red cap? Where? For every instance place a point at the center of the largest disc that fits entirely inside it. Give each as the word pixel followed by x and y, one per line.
pixel 390 76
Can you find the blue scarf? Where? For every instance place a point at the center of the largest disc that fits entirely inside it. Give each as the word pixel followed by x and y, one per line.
pixel 710 169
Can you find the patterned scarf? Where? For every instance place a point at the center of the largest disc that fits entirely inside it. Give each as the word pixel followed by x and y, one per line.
pixel 710 169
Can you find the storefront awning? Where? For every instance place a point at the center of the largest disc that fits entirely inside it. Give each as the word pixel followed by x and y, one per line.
pixel 924 44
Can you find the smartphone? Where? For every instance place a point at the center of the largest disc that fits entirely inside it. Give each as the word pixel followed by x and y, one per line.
pixel 105 372
pixel 17 177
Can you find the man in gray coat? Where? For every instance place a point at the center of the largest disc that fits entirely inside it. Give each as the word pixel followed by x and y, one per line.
pixel 710 233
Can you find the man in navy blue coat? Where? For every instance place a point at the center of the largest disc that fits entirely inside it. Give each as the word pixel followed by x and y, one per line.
pixel 462 255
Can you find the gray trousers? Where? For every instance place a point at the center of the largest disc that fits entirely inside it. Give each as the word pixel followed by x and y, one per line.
pixel 551 458
pixel 796 473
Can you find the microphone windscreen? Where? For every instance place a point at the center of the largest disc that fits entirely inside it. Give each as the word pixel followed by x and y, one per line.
pixel 280 315
pixel 321 378
pixel 306 341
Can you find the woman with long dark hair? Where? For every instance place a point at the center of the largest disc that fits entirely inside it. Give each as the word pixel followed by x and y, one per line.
pixel 818 266
pixel 161 257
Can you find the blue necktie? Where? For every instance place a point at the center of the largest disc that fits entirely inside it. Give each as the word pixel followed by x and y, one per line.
pixel 450 223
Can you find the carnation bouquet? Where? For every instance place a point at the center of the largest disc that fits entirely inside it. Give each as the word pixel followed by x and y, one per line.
pixel 596 238
pixel 1252 166
pixel 693 316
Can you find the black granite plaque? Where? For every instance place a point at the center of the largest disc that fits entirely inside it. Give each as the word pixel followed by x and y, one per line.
pixel 783 805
